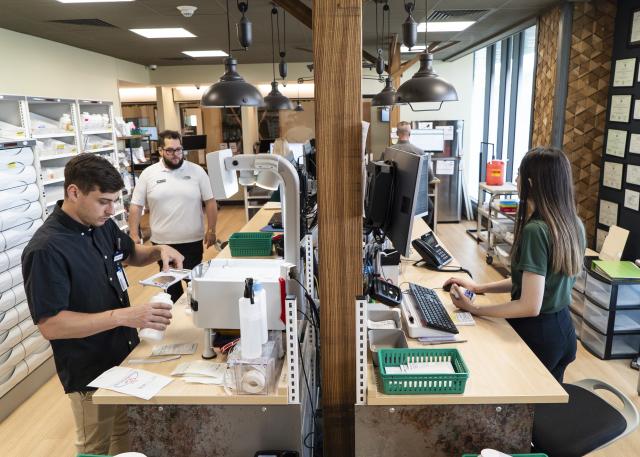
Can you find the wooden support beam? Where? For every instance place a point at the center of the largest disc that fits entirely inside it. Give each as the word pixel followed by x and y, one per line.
pixel 395 74
pixel 337 54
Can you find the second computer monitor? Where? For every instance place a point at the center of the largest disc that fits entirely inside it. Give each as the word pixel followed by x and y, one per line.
pixel 410 197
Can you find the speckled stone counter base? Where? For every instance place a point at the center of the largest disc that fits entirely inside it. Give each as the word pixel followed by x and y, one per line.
pixel 214 431
pixel 441 430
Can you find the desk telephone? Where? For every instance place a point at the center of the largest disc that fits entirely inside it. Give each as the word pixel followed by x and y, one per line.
pixel 434 255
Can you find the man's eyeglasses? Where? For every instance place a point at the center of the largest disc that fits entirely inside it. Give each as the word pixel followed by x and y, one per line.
pixel 171 151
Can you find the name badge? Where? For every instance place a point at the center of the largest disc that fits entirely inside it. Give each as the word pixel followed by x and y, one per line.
pixel 122 278
pixel 118 256
pixel 160 181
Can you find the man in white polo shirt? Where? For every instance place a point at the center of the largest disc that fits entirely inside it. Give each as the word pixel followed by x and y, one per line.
pixel 174 191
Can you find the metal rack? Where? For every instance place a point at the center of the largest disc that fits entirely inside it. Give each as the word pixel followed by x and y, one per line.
pixel 498 238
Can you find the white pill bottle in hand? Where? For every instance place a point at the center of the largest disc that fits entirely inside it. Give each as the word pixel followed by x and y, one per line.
pixel 151 334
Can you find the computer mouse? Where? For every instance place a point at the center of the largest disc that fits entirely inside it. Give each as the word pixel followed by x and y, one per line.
pixel 447 287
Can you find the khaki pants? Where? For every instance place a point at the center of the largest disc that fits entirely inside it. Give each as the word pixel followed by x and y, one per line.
pixel 100 429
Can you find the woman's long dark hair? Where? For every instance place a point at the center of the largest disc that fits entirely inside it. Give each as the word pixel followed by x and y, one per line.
pixel 546 181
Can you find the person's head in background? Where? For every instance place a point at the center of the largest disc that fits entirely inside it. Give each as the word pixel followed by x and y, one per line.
pixel 545 188
pixel 170 144
pixel 403 131
pixel 91 188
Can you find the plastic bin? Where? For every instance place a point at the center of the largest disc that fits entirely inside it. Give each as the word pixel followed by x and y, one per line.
pixel 385 339
pixel 622 345
pixel 577 323
pixel 577 302
pixel 600 292
pixel 581 281
pixel 409 384
pixel 250 244
pixel 599 318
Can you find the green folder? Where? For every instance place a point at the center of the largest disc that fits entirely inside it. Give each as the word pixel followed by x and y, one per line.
pixel 616 269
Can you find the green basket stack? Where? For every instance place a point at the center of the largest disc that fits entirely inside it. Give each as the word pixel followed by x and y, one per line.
pixel 421 384
pixel 250 244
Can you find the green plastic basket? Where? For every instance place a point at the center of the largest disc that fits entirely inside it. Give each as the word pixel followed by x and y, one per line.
pixel 250 244
pixel 512 455
pixel 92 455
pixel 408 384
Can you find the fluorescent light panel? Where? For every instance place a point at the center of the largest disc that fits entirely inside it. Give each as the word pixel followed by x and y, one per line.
pixel 93 1
pixel 417 48
pixel 164 33
pixel 453 26
pixel 211 53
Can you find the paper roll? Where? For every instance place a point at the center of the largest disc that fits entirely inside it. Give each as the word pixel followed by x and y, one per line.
pixel 253 382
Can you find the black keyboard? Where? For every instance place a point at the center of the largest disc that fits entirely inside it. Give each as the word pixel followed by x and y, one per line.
pixel 432 311
pixel 276 221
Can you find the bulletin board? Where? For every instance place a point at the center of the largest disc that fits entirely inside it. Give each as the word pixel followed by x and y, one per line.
pixel 619 197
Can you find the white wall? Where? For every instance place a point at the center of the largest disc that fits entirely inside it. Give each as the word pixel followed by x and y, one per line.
pixel 37 67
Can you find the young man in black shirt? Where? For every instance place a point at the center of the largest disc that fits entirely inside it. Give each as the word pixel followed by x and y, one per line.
pixel 77 294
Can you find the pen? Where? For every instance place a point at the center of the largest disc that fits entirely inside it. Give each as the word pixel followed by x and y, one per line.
pixel 119 243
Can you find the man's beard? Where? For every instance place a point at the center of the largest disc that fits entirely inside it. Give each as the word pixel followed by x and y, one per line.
pixel 170 165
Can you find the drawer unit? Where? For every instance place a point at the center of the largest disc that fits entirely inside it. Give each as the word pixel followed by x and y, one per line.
pixel 17 196
pixel 623 320
pixel 577 302
pixel 19 215
pixel 13 377
pixel 11 297
pixel 22 197
pixel 18 176
pixel 621 346
pixel 602 293
pixel 11 257
pixel 13 336
pixel 11 157
pixel 18 235
pixel 577 323
pixel 581 281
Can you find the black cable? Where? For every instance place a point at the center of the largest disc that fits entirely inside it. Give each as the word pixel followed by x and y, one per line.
pixel 306 381
pixel 273 51
pixel 228 30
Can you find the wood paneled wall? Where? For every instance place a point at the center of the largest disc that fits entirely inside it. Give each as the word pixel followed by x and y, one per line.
pixel 587 98
pixel 587 95
pixel 548 26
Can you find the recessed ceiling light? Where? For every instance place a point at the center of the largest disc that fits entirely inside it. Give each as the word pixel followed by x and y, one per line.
pixel 164 33
pixel 93 1
pixel 416 49
pixel 453 26
pixel 212 53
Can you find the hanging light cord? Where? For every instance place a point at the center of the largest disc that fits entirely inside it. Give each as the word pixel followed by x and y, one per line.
pixel 274 11
pixel 228 30
pixel 426 20
pixel 386 11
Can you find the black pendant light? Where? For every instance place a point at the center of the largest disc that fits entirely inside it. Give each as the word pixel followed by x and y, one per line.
pixel 426 85
pixel 387 96
pixel 232 90
pixel 275 101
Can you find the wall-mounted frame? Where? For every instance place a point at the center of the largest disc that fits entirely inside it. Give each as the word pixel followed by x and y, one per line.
pixel 634 34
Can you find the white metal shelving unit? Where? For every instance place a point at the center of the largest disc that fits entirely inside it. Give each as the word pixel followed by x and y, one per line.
pixel 13 117
pixel 254 199
pixel 102 139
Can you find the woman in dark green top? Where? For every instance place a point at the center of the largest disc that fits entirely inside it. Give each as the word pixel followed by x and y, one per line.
pixel 548 248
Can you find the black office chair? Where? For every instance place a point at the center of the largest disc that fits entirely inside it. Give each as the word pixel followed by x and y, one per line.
pixel 586 423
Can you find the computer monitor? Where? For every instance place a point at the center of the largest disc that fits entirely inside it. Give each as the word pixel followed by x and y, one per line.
pixel 151 131
pixel 409 196
pixel 194 142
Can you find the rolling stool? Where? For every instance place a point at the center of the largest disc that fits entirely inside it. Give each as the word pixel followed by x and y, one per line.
pixel 584 424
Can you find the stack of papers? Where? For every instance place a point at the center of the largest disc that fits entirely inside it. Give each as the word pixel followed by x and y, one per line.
pixel 174 349
pixel 130 381
pixel 422 368
pixel 201 372
pixel 444 339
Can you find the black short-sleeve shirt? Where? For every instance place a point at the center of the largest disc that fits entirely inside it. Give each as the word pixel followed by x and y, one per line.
pixel 70 266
